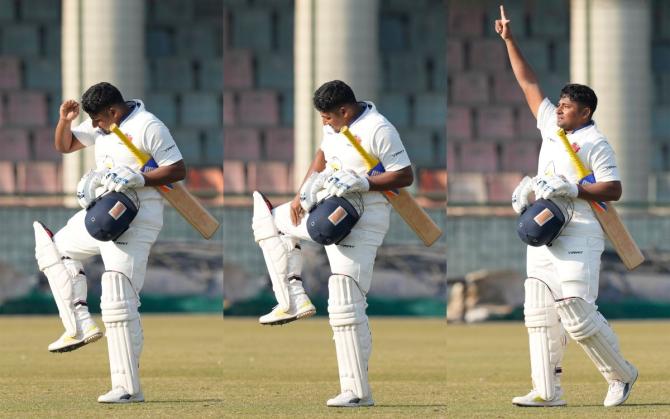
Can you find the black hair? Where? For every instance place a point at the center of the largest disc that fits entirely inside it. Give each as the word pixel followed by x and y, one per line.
pixel 100 96
pixel 332 95
pixel 581 94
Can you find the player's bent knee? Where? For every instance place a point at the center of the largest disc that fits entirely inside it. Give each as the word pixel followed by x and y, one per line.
pixel 580 318
pixel 346 301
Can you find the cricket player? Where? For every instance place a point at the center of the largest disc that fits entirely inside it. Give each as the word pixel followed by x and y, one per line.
pixel 562 284
pixel 60 257
pixel 337 170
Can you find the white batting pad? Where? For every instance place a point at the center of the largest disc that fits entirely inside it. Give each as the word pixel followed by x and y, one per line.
pixel 275 250
pixel 546 337
pixel 59 278
pixel 351 333
pixel 118 305
pixel 590 329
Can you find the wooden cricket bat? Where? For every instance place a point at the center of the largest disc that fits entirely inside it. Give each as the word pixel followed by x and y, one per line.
pixel 410 211
pixel 606 214
pixel 176 194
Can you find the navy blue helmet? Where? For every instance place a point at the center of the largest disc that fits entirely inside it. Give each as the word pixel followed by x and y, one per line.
pixel 542 222
pixel 110 215
pixel 331 220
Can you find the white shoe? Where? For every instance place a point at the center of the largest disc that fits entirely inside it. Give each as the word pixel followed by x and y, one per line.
pixel 89 334
pixel 619 391
pixel 120 395
pixel 349 399
pixel 533 399
pixel 300 307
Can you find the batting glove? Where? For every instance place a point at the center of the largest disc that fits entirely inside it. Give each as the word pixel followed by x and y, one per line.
pixel 312 185
pixel 346 181
pixel 87 187
pixel 520 195
pixel 121 178
pixel 551 186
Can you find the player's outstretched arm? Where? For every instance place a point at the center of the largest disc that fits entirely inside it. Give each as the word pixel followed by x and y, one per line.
pixel 64 141
pixel 523 72
pixel 392 179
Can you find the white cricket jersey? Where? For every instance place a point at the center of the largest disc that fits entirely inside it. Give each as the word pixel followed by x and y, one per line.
pixel 377 136
pixel 145 130
pixel 593 150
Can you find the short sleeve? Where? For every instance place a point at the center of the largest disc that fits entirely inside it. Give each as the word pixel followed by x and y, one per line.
pixel 159 143
pixel 389 149
pixel 603 162
pixel 85 133
pixel 546 116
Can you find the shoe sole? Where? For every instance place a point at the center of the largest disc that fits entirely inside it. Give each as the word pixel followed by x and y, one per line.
pixel 93 338
pixel 303 315
pixel 539 405
pixel 350 405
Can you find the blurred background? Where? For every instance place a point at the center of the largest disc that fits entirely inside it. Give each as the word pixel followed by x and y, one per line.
pixel 167 53
pixel 275 54
pixel 621 49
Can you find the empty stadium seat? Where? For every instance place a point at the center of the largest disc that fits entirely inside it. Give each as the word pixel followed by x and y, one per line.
pixel 213 147
pixel 520 156
pixel 205 179
pixel 495 123
pixel 10 73
pixel 234 177
pixel 200 109
pixel 466 188
pixel 506 90
pixel 430 110
pixel 275 71
pixel 527 124
pixel 501 185
pixel 395 107
pixel 52 41
pixel 393 31
pixel 43 139
pixel 470 88
pixel 478 157
pixel 279 144
pixel 421 147
pixel 7 11
pixel 404 72
pixel 427 30
pixel 464 19
pixel 459 123
pixel 229 109
pixel 27 108
pixel 211 75
pixel 40 10
pixel 537 53
pixel 160 42
pixel 14 144
pixel 258 108
pixel 172 74
pixel 190 143
pixel 554 11
pixel 488 55
pixel 268 176
pixel 454 55
pixel 7 178
pixel 202 40
pixel 241 144
pixel 20 39
pixel 43 74
pixel 38 177
pixel 237 69
pixel 243 19
pixel 170 11
pixel 164 106
pixel 286 108
pixel 433 181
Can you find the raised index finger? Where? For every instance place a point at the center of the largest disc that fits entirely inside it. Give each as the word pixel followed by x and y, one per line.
pixel 502 12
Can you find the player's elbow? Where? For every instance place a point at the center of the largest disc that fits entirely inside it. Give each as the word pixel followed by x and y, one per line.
pixel 406 177
pixel 615 191
pixel 179 170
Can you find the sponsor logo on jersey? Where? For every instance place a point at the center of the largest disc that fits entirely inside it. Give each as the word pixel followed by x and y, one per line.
pixel 575 147
pixel 575 252
pixel 397 153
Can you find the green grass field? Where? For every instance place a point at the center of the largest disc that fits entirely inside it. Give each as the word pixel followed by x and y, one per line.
pixel 488 364
pixel 290 370
pixel 181 370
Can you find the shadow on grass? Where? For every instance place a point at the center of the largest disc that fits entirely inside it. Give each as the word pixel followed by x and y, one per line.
pixel 395 406
pixel 217 401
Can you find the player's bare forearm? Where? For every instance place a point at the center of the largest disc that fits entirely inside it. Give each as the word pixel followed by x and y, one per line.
pixel 64 141
pixel 392 179
pixel 600 191
pixel 164 175
pixel 523 72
